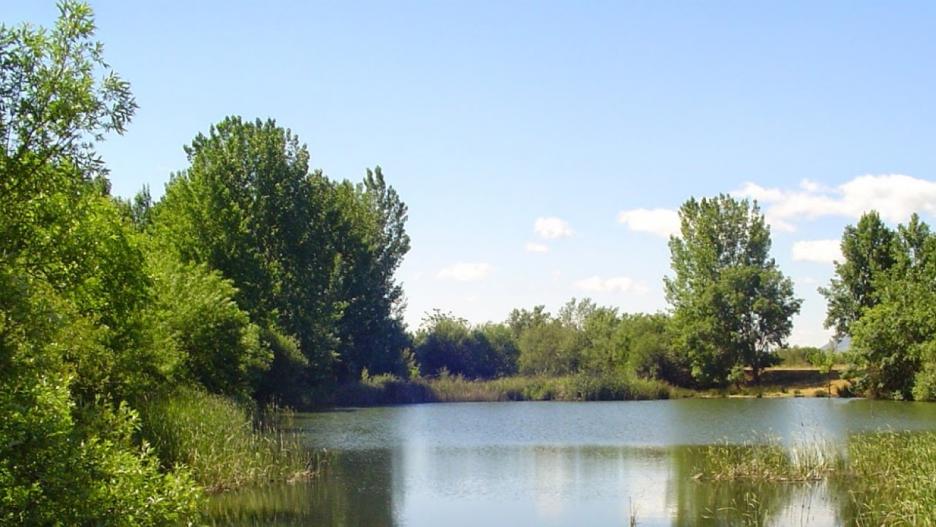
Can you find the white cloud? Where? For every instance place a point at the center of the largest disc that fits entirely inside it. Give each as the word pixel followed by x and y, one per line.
pixel 894 196
pixel 465 272
pixel 615 284
pixel 661 222
pixel 820 251
pixel 552 228
pixel 533 247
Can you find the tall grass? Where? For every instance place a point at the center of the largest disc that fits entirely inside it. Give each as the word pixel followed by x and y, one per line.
pixel 388 389
pixel 224 445
pixel 893 478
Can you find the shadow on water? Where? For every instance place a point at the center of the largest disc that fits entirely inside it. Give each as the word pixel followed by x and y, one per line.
pixel 357 490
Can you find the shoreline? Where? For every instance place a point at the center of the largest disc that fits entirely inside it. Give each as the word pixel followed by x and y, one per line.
pixel 387 390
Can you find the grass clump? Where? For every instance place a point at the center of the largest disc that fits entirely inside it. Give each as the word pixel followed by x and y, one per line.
pixel 223 444
pixel 770 461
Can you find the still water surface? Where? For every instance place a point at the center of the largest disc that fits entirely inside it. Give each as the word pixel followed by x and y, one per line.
pixel 558 464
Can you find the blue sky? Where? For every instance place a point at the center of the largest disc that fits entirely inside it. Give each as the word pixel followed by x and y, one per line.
pixel 490 116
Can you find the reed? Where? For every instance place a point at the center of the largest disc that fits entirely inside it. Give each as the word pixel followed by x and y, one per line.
pixel 769 461
pixel 226 445
pixel 388 389
pixel 892 478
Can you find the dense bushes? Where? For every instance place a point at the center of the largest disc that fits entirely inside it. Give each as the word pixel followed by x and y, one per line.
pixel 451 345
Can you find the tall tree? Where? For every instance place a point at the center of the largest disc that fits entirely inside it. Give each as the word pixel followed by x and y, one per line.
pixel 730 301
pixel 371 237
pixel 893 324
pixel 869 251
pixel 249 207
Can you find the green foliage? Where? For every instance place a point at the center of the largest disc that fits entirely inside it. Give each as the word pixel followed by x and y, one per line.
pixel 768 461
pixel 550 348
pixel 57 98
pixel 60 463
pixel 93 319
pixel 869 252
pixel 892 478
pixel 249 207
pixel 194 311
pixel 800 356
pixel 731 303
pixel 887 278
pixel 449 344
pixel 311 259
pixel 389 389
pixel 370 235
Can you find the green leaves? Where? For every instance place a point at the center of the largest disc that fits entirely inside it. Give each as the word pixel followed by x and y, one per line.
pixel 869 250
pixel 53 104
pixel 309 257
pixel 731 304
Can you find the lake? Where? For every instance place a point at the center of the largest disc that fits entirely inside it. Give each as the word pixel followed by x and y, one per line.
pixel 558 464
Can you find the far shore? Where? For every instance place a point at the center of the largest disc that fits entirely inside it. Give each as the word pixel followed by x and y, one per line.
pixel 382 390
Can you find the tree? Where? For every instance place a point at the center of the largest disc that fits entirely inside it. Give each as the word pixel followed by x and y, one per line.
pixel 193 314
pixel 371 237
pixel 249 207
pixel 893 324
pixel 73 347
pixel 606 345
pixel 869 251
pixel 550 348
pixel 730 302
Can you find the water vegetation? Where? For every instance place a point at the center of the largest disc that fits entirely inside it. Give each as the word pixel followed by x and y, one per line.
pixel 225 445
pixel 884 478
pixel 389 389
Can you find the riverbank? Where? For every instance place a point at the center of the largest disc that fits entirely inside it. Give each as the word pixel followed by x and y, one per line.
pixel 388 389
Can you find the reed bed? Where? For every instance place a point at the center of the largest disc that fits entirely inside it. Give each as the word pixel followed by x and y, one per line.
pixel 769 461
pixel 226 445
pixel 389 389
pixel 882 478
pixel 893 478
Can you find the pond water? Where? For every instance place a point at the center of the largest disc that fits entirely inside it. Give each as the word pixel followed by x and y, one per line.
pixel 558 464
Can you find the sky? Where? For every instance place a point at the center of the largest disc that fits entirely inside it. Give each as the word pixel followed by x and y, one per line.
pixel 542 147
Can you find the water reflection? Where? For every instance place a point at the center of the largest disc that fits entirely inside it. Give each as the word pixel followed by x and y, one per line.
pixel 592 464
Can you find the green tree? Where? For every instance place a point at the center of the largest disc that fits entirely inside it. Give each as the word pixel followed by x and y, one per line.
pixel 371 238
pixel 894 326
pixel 730 302
pixel 869 251
pixel 249 207
pixel 72 290
pixel 606 344
pixel 550 348
pixel 195 316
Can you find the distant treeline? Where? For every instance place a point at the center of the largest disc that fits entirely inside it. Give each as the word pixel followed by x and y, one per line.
pixel 581 338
